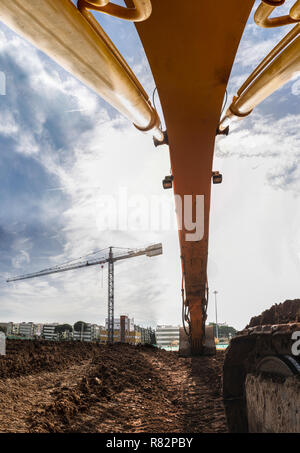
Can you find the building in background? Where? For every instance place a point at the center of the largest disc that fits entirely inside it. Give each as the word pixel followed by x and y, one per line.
pixel 167 337
pixel 90 332
pixel 147 334
pixel 95 332
pixel 129 323
pixel 133 337
pixel 38 330
pixel 49 333
pixel 130 337
pixel 6 327
pixel 125 331
pixel 23 329
pixel 26 329
pixel 16 328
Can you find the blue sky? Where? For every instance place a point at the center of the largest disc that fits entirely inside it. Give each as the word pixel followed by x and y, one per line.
pixel 62 147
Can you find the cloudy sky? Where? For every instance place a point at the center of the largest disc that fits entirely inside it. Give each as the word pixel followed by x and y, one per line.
pixel 63 149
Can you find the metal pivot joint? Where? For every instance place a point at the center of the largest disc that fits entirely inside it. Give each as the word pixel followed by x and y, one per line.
pixel 265 9
pixel 165 140
pixel 223 132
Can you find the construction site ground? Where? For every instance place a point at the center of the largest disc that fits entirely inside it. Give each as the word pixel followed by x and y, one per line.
pixel 85 387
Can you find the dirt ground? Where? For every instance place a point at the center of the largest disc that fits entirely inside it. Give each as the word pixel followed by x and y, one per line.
pixel 84 387
pixel 285 312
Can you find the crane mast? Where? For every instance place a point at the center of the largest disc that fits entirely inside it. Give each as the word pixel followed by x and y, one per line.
pixel 150 251
pixel 110 305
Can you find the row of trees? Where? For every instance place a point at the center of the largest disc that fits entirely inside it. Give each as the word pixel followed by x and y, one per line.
pixel 79 326
pixel 224 331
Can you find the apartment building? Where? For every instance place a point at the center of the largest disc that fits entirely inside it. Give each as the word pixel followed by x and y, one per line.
pixel 128 323
pixel 132 337
pixel 167 337
pixel 48 332
pixel 26 329
pixel 7 327
pixel 90 333
pixel 147 334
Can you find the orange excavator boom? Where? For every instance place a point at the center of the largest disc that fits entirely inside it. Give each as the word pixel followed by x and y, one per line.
pixel 191 50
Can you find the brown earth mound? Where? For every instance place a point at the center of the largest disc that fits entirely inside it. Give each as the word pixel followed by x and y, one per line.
pixel 28 357
pixel 84 387
pixel 284 313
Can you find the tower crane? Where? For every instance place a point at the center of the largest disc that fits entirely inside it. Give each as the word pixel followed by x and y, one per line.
pixel 111 258
pixel 190 47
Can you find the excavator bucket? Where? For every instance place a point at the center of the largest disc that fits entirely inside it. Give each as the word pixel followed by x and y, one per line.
pixel 209 346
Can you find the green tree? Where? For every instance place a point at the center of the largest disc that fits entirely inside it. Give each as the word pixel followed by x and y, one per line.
pixel 3 329
pixel 224 331
pixel 63 328
pixel 80 326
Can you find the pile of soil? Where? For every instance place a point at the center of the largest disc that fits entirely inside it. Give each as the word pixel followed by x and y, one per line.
pixel 85 387
pixel 28 357
pixel 284 313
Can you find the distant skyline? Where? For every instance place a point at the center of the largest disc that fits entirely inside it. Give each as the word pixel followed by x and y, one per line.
pixel 57 322
pixel 62 147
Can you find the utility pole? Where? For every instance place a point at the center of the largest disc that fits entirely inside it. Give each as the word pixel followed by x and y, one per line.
pixel 216 310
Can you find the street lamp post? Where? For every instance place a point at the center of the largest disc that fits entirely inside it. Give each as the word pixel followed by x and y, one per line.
pixel 216 309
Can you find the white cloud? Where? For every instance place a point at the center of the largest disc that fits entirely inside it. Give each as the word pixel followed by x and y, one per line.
pixel 255 216
pixel 8 125
pixel 98 157
pixel 296 86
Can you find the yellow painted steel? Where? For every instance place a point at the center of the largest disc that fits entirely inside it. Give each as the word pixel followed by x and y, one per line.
pixel 59 29
pixel 191 49
pixel 279 67
pixel 274 52
pixel 295 11
pixel 265 9
pixel 141 11
pixel 98 2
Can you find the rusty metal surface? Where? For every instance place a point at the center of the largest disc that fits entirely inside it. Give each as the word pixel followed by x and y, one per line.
pixel 273 407
pixel 191 49
pixel 243 357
